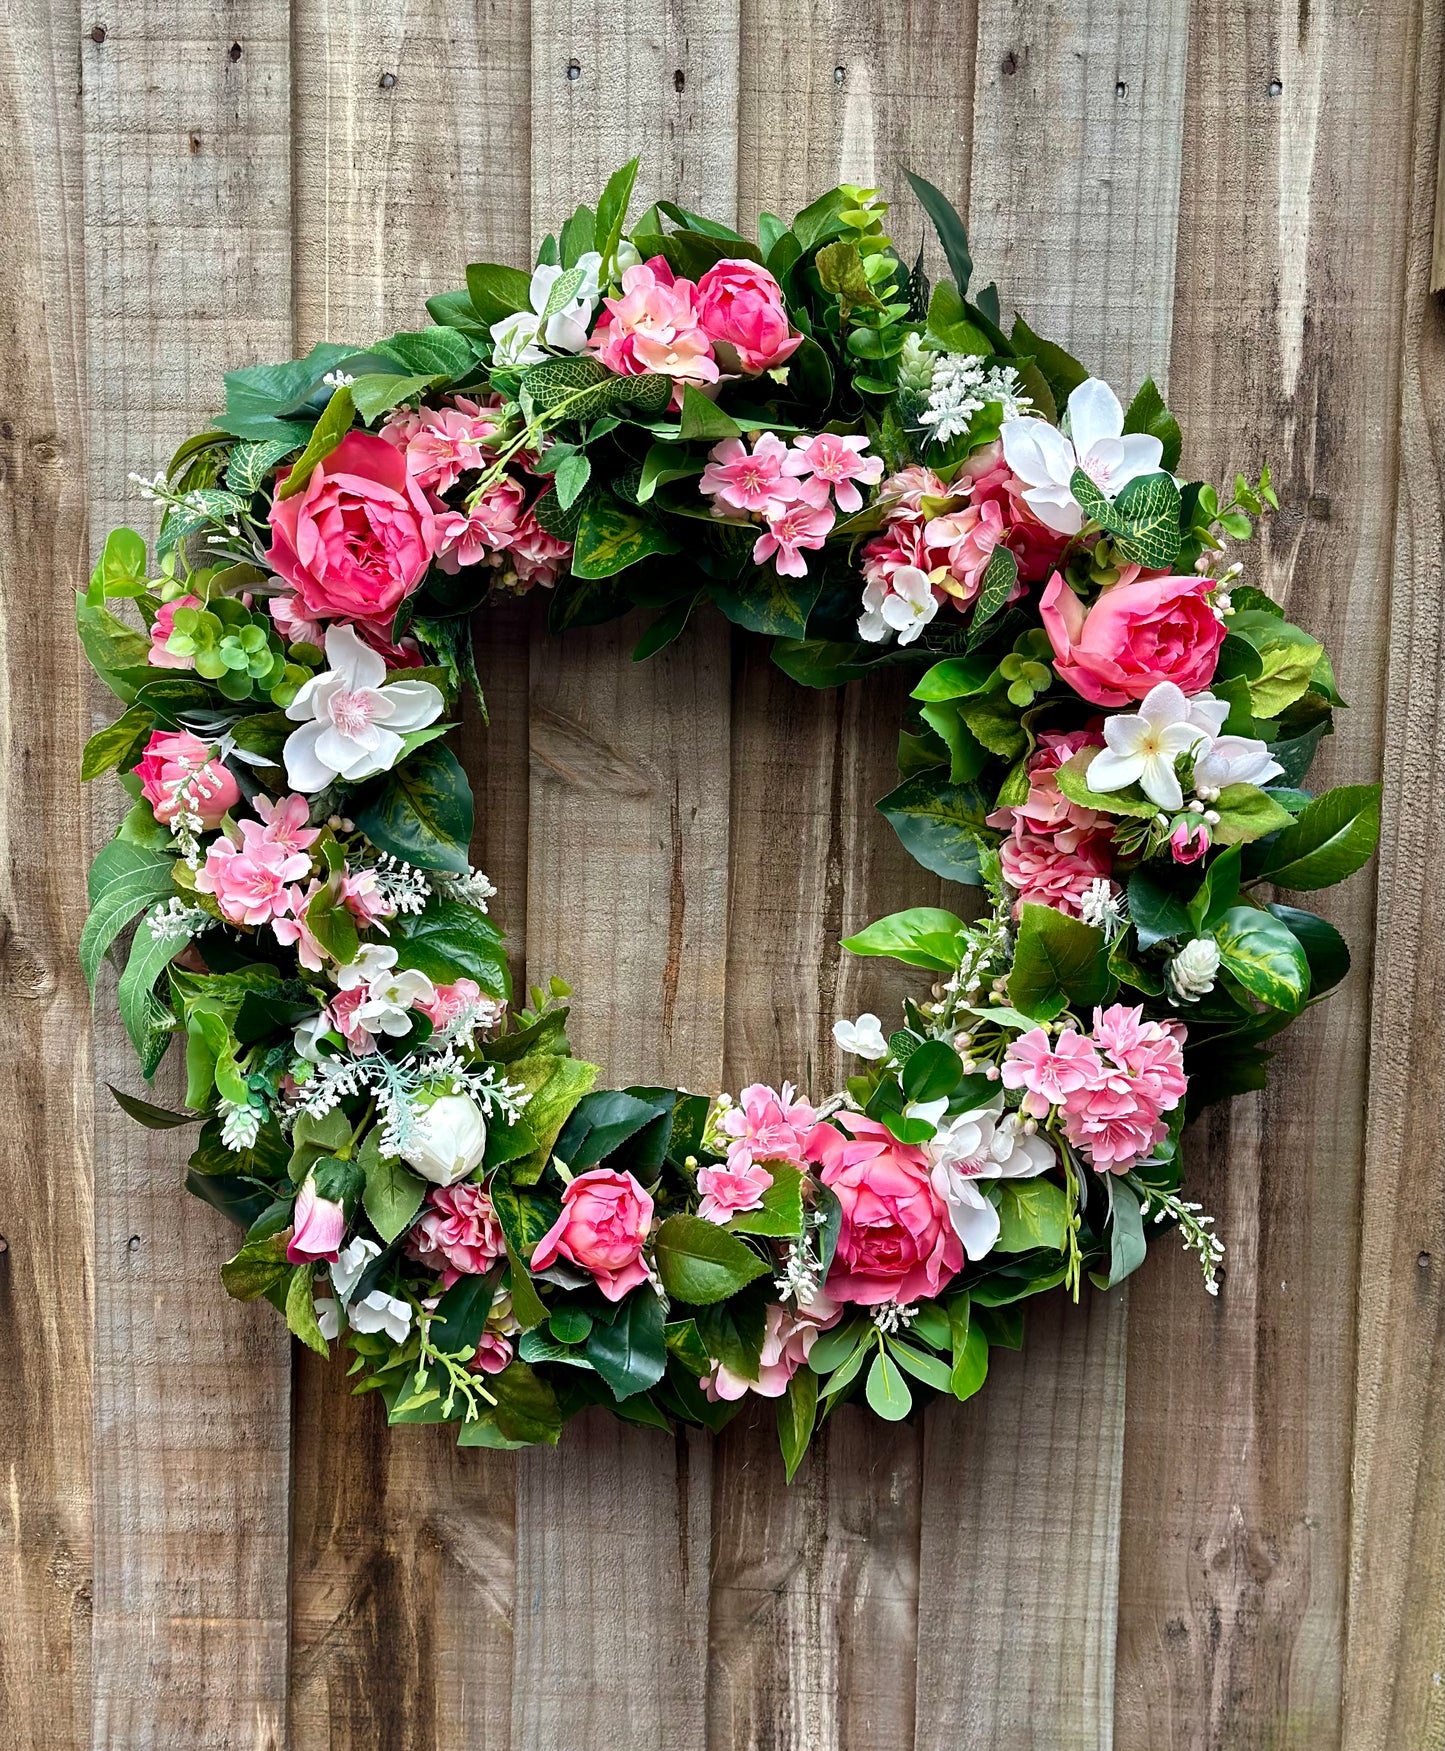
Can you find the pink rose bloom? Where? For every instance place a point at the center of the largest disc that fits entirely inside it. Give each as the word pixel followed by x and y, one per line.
pixel 1135 636
pixel 741 309
pixel 727 1191
pixel 494 1353
pixel 318 1227
pixel 1189 841
pixel 162 627
pixel 458 1234
pixel 747 480
pixel 1050 1072
pixel 1047 875
pixel 768 1125
pixel 967 538
pixel 449 1003
pixel 342 1012
pixel 837 461
pixel 357 541
pixel 654 327
pixel 896 1242
pixel 805 522
pixel 536 556
pixel 906 491
pixel 178 775
pixel 788 1337
pixel 250 880
pixel 285 822
pixel 291 927
pixel 604 1222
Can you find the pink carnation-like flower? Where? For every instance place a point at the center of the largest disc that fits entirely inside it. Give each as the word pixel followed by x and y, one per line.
pixel 162 628
pixel 803 523
pixel 727 1191
pixel 458 1234
pixel 838 462
pixel 898 547
pixel 788 1336
pixel 446 443
pixel 654 327
pixel 293 623
pixel 472 538
pixel 740 307
pixel 1050 1071
pixel 1046 875
pixel 967 540
pixel 604 1223
pixel 179 776
pixel 536 556
pixel 250 881
pixel 449 1003
pixel 905 492
pixel 1133 637
pixel 768 1124
pixel 747 480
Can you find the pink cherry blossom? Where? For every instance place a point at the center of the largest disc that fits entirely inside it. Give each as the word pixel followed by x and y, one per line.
pixel 747 480
pixel 291 928
pixel 805 522
pixel 250 880
pixel 727 1191
pixel 285 822
pixel 837 460
pixel 473 537
pixel 446 443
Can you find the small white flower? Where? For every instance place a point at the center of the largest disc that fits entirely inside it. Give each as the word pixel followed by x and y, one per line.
pixel 1143 746
pixel 356 717
pixel 381 1312
pixel 518 339
pixel 350 1266
pixel 984 1144
pixel 1045 459
pixel 304 1042
pixel 1193 970
pixel 1103 908
pixel 904 605
pixel 328 1317
pixel 391 994
pixel 1234 760
pixel 449 1140
pixel 863 1038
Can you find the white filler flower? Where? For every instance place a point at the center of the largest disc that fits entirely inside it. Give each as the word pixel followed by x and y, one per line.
pixel 379 1311
pixel 1193 970
pixel 353 719
pixel 1045 459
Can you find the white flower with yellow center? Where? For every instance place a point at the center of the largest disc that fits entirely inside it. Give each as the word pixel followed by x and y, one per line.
pixel 1141 747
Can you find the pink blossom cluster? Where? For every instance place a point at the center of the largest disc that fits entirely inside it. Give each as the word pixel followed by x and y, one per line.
pixel 788 1336
pixel 1112 1085
pixel 253 879
pixel 457 1234
pixel 767 1125
pixel 791 490
pixel 1055 850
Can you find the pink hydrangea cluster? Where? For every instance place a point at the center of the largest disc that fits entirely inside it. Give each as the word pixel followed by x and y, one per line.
pixel 791 489
pixel 1055 850
pixel 458 1233
pixel 252 880
pixel 1113 1085
pixel 768 1124
pixel 788 1335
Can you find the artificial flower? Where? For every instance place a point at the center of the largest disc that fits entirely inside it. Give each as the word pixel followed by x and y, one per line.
pixel 1045 459
pixel 350 1266
pixel 904 606
pixel 380 1312
pixel 458 1233
pixel 353 719
pixel 802 521
pixel 654 327
pixel 983 1144
pixel 528 336
pixel 179 776
pixel 317 1226
pixel 864 1038
pixel 450 1137
pixel 1192 972
pixel 1142 746
pixel 789 1334
pixel 838 461
pixel 603 1225
pixel 740 308
pixel 1133 637
pixel 162 627
pixel 747 480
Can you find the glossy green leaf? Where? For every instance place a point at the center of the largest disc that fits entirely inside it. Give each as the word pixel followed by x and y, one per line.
pixel 610 538
pixel 1265 956
pixel 301 1310
pixel 422 812
pixel 768 603
pixel 1325 949
pixel 1330 840
pixel 1058 961
pixel 1032 1213
pixel 629 1352
pixel 797 1415
pixel 952 232
pixel 1247 813
pixel 330 429
pixel 701 1263
pixel 1126 1234
pixel 120 901
pixel 1148 414
pixel 941 825
pixel 449 940
pixel 923 936
pixel 886 1390
pixel 781 1214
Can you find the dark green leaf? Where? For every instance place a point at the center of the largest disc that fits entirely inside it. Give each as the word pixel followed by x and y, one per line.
pixel 1126 1234
pixel 152 1117
pixel 609 539
pixel 1147 413
pixel 941 825
pixel 1325 949
pixel 701 1263
pixel 1330 840
pixel 629 1353
pixel 422 812
pixel 1058 961
pixel 448 940
pixel 952 233
pixel 797 1413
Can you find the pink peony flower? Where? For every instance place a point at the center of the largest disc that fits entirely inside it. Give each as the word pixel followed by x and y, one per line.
pixel 1135 636
pixel 458 1233
pixel 604 1223
pixel 837 461
pixel 788 1336
pixel 896 1242
pixel 905 491
pixel 536 556
pixel 967 539
pixel 250 880
pixel 747 480
pixel 358 539
pixel 1047 875
pixel 767 1125
pixel 740 307
pixel 179 776
pixel 727 1191
pixel 162 627
pixel 805 522
pixel 1048 1072
pixel 490 525
pixel 1189 841
pixel 654 327
pixel 318 1227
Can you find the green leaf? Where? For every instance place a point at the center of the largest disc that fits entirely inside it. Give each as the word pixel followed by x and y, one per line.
pixel 956 678
pixel 1032 1213
pixel 602 1122
pixel 1286 670
pixel 377 392
pixel 119 902
pixel 1126 1234
pixel 147 1020
pixel 393 1193
pixel 952 232
pixel 929 1369
pixel 1058 961
pixel 259 1265
pixel 526 1408
pixel 259 396
pixel 422 812
pixel 1246 813
pixel 940 825
pixel 701 1263
pixel 301 1310
pixel 1060 369
pixel 249 464
pixel 332 925
pixel 448 940
pixel 797 1414
pixel 1147 413
pixel 122 567
pixel 841 270
pixel 924 936
pixel 118 744
pixel 887 1391
pixel 330 429
pixel 110 645
pixel 932 1072
pixel 1157 911
pixel 497 292
pixel 1143 519
pixel 581 388
pixel 152 1117
pixel 781 1214
pixel 1000 576
pixel 970 1351
pixel 1325 949
pixel 548 1110
pixel 629 1353
pixel 1265 956
pixel 1217 892
pixel 967 756
pixel 1073 782
pixel 612 210
pixel 1330 840
pixel 703 420
pixel 767 603
pixel 609 539
pixel 665 462
pixel 570 477
pixel 733 1331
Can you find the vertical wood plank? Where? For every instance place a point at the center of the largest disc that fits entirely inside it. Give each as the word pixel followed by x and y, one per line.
pixel 45 1268
pixel 1078 116
pixel 1287 347
pixel 187 214
pixel 1395 1651
pixel 627 898
pixel 815 1586
pixel 412 152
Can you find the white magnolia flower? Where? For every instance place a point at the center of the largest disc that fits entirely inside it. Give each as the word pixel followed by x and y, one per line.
pixel 930 1110
pixel 518 339
pixel 449 1138
pixel 351 1263
pixel 305 1040
pixel 353 719
pixel 984 1144
pixel 391 993
pixel 1142 747
pixel 1045 459
pixel 328 1317
pixel 905 605
pixel 1193 970
pixel 1234 760
pixel 863 1038
pixel 381 1312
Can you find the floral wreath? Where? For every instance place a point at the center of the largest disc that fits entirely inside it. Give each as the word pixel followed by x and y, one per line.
pixel 1108 735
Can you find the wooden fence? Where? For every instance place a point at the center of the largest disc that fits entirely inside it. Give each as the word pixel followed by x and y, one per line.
pixel 1170 1522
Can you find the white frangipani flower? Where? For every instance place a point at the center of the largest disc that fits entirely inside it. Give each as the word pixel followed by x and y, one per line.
pixel 1045 459
pixel 863 1038
pixel 984 1144
pixel 379 1311
pixel 1141 747
pixel 350 1266
pixel 352 718
pixel 518 339
pixel 904 605
pixel 1194 969
pixel 1233 760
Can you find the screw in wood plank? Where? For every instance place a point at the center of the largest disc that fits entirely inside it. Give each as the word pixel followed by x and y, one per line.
pixel 574 70
pixel 97 33
pixel 1275 88
pixel 386 81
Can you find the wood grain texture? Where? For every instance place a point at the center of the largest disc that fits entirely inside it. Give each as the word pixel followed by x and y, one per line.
pixel 46 1289
pixel 187 239
pixel 412 147
pixel 1078 118
pixel 627 898
pixel 1236 1482
pixel 1395 1648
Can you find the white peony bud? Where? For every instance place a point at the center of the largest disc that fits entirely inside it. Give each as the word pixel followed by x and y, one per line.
pixel 1193 969
pixel 449 1139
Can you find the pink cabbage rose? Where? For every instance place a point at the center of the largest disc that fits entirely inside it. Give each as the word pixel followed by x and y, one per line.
pixel 741 309
pixel 358 539
pixel 458 1234
pixel 178 775
pixel 319 1225
pixel 162 627
pixel 1045 874
pixel 788 1336
pixel 896 1242
pixel 604 1222
pixel 1135 636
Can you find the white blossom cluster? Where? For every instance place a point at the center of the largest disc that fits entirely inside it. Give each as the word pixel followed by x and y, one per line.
pixel 176 918
pixel 472 889
pixel 962 386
